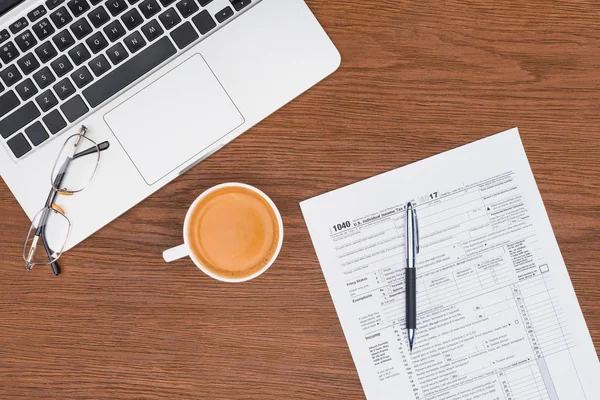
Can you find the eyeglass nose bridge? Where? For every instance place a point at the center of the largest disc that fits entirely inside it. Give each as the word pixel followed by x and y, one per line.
pixel 58 208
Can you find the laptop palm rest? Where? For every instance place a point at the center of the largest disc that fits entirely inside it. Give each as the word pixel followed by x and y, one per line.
pixel 174 119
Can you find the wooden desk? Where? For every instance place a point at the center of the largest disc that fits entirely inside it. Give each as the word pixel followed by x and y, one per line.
pixel 121 324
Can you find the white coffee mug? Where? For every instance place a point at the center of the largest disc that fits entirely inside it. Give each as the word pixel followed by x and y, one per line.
pixel 183 250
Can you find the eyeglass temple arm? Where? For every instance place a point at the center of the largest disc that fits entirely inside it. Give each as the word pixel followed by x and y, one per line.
pixel 101 147
pixel 41 229
pixel 51 197
pixel 53 264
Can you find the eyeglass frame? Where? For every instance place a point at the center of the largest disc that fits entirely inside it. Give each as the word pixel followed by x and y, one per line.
pixel 40 231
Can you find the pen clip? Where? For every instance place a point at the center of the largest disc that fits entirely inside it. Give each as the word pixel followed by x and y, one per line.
pixel 416 229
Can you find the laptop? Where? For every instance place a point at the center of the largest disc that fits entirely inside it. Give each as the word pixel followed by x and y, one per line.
pixel 166 82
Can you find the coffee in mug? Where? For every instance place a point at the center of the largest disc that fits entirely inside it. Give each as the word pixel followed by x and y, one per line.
pixel 233 232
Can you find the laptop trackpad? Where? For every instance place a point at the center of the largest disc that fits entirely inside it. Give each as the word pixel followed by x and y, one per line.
pixel 173 119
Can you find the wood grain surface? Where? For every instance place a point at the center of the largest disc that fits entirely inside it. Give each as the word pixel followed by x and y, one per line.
pixel 417 78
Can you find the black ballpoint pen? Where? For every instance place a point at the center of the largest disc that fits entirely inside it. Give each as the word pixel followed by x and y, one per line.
pixel 411 236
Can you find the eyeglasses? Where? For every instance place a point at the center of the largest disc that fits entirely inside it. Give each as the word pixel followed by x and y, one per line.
pixel 73 171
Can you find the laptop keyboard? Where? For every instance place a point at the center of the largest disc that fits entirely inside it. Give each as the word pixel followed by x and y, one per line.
pixel 67 57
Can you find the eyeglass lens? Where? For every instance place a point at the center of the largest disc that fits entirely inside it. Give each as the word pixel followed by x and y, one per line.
pixel 71 173
pixel 47 237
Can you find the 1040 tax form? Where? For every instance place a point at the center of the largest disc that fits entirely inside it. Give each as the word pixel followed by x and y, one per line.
pixel 497 317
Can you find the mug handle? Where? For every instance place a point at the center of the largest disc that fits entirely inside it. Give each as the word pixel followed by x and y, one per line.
pixel 176 253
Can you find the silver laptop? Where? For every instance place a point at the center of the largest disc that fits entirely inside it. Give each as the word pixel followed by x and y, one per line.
pixel 165 82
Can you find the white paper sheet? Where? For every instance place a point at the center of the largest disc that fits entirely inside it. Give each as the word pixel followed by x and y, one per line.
pixel 497 317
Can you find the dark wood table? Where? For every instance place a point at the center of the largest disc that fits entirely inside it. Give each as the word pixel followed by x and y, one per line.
pixel 417 78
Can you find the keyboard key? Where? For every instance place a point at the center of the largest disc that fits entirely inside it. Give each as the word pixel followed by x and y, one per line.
pixel 117 53
pixel 61 65
pixel 18 25
pixel 8 52
pixel 94 2
pixel 19 145
pixel 187 7
pixel 152 30
pixel 78 7
pixel 82 77
pixel 28 63
pixel 36 13
pixel 8 102
pixel 61 17
pixel 44 77
pixel 134 42
pixel 26 89
pixel 74 108
pixel 43 29
pixel 97 42
pixel 169 18
pixel 18 119
pixel 114 31
pixel 37 133
pixel 132 1
pixel 239 4
pixel 99 65
pixel 63 40
pixel 46 52
pixel 184 35
pixel 149 8
pixel 46 100
pixel 52 4
pixel 204 22
pixel 4 35
pixel 79 54
pixel 204 3
pixel 224 14
pixel 64 88
pixel 99 17
pixel 10 75
pixel 1 88
pixel 116 7
pixel 25 40
pixel 116 80
pixel 166 2
pixel 132 18
pixel 54 122
pixel 81 28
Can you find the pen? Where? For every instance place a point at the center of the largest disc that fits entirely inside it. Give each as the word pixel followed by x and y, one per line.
pixel 411 236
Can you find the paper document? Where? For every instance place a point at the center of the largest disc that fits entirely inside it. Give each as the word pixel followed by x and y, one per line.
pixel 497 317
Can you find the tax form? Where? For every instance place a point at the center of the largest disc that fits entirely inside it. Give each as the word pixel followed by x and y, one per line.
pixel 497 317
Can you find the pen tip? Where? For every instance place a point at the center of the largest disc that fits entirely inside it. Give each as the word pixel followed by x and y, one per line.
pixel 411 338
